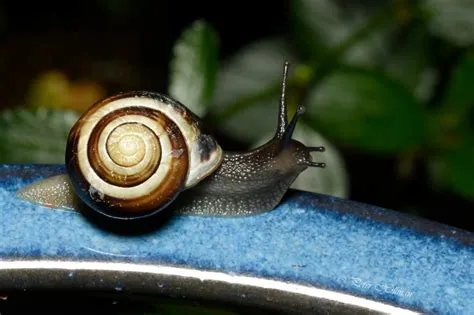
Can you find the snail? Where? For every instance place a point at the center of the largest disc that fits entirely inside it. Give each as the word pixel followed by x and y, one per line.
pixel 137 153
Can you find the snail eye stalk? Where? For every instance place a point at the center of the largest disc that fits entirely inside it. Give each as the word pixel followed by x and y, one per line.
pixel 316 149
pixel 288 134
pixel 316 164
pixel 283 110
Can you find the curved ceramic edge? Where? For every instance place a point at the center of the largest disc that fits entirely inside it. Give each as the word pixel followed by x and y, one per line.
pixel 29 172
pixel 186 283
pixel 325 242
pixel 380 215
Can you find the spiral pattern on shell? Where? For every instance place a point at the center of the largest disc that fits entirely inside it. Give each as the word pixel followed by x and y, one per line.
pixel 131 154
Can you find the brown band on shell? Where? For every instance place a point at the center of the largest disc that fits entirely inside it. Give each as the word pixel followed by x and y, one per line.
pixel 166 192
pixel 162 195
pixel 156 200
pixel 96 161
pixel 183 111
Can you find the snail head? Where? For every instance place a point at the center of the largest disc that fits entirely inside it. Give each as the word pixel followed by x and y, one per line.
pixel 289 149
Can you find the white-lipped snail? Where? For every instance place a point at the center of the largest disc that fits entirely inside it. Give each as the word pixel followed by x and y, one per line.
pixel 136 153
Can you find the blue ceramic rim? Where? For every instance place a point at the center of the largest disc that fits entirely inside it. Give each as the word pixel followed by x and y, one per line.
pixel 381 215
pixel 330 203
pixel 335 209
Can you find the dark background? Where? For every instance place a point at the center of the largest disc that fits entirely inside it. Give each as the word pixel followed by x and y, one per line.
pixel 74 35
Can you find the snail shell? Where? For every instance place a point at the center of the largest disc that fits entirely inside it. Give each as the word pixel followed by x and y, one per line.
pixel 130 155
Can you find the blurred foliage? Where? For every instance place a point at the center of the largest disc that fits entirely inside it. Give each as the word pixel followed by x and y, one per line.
pixel 372 75
pixel 35 135
pixel 194 67
pixel 54 90
pixel 368 110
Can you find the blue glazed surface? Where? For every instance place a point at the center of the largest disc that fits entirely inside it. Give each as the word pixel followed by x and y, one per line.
pixel 312 239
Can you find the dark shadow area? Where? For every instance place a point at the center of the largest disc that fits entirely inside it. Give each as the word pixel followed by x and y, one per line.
pixel 137 226
pixel 91 302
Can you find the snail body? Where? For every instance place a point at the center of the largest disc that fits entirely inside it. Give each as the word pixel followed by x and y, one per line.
pixel 134 154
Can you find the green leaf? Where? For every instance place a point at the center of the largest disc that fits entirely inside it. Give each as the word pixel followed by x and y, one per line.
pixel 248 87
pixel 453 119
pixel 193 68
pixel 458 168
pixel 409 62
pixel 367 110
pixel 324 25
pixel 34 135
pixel 332 180
pixel 451 20
pixel 459 97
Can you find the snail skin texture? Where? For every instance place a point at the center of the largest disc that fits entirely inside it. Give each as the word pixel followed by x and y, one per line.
pixel 134 154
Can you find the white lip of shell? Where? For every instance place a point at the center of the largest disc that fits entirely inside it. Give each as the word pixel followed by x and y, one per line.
pixel 198 170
